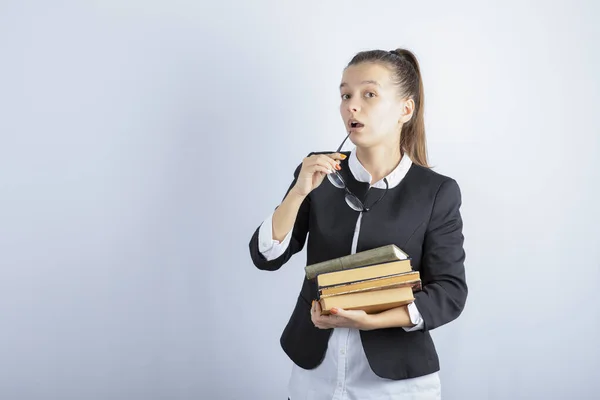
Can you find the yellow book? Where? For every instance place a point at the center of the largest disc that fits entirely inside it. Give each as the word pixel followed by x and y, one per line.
pixel 371 302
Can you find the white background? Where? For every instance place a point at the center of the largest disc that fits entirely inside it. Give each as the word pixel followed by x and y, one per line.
pixel 141 143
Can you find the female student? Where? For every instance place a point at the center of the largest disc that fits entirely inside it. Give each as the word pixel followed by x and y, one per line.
pixel 387 195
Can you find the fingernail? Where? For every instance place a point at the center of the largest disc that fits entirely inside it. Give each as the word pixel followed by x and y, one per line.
pixel 334 311
pixel 343 156
pixel 338 167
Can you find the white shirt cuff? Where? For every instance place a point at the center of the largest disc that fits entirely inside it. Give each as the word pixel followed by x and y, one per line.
pixel 270 248
pixel 415 318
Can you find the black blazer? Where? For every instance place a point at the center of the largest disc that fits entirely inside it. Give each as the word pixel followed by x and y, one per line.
pixel 421 216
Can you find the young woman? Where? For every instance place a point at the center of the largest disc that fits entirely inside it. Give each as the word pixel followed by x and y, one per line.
pixel 387 194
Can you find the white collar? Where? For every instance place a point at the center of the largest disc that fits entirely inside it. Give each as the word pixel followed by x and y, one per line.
pixel 362 175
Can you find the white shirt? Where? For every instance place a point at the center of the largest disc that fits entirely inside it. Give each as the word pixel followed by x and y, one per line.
pixel 345 373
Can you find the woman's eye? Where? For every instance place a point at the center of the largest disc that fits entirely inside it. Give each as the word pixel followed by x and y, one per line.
pixel 345 97
pixel 370 94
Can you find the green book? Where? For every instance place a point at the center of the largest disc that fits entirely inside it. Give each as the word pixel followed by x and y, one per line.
pixel 377 255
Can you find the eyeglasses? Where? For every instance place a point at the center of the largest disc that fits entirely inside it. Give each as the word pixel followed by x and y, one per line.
pixel 351 199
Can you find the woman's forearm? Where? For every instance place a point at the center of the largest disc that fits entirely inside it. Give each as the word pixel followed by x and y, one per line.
pixel 285 215
pixel 393 318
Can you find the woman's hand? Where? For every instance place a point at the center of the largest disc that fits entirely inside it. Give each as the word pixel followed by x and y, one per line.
pixel 313 171
pixel 340 318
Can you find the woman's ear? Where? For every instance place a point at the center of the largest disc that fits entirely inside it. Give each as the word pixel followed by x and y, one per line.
pixel 408 109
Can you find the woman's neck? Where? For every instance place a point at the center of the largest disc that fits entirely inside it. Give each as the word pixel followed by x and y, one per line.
pixel 379 161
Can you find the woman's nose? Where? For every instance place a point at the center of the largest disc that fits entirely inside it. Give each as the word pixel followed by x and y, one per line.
pixel 353 107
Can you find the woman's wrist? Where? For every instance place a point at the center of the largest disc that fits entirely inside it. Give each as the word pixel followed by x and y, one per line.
pixel 295 195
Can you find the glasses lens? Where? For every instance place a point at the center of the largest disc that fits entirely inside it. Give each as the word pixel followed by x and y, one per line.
pixel 336 179
pixel 354 202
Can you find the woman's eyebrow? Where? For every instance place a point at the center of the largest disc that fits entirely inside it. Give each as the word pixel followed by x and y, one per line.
pixel 363 83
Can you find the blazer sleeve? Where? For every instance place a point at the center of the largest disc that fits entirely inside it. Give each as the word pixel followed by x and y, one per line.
pixel 297 240
pixel 444 292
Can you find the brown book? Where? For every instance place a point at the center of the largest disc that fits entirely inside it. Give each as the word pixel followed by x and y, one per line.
pixel 411 279
pixel 371 302
pixel 362 273
pixel 377 255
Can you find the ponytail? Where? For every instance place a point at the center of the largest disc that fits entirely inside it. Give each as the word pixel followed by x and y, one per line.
pixel 413 138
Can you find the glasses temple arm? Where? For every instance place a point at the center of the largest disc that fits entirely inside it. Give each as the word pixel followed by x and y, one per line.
pixel 342 145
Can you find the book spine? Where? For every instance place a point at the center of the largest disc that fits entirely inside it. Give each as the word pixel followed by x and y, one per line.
pixel 375 279
pixel 333 265
pixel 414 285
pixel 351 261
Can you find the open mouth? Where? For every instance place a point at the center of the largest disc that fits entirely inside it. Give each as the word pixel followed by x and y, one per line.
pixel 355 124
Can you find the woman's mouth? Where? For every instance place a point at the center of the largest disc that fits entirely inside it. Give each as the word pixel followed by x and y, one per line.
pixel 355 125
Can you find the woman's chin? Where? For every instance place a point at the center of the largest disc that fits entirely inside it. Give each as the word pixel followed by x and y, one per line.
pixel 361 140
pixel 369 139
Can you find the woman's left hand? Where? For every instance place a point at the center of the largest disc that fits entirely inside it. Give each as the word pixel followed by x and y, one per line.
pixel 340 318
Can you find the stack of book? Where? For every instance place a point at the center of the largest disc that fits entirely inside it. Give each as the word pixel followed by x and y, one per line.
pixel 373 280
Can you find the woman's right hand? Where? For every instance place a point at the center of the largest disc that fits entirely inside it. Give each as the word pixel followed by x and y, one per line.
pixel 313 171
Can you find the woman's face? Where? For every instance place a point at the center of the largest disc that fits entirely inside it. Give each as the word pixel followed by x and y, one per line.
pixel 371 107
